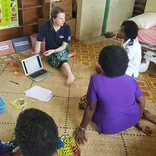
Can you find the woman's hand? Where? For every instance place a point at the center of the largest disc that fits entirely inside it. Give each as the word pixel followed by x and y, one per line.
pixel 143 127
pixel 80 136
pixel 49 52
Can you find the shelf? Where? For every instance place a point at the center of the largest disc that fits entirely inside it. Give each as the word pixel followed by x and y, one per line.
pixel 11 28
pixel 28 13
pixel 11 33
pixel 32 6
pixel 29 23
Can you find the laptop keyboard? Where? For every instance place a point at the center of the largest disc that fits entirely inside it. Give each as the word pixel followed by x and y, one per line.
pixel 39 73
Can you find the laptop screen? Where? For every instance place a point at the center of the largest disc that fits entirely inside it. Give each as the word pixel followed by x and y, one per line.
pixel 32 64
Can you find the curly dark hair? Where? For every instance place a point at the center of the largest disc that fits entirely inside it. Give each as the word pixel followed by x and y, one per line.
pixel 36 133
pixel 113 60
pixel 130 29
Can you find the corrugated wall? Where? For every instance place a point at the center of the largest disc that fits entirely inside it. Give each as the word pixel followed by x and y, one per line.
pixel 119 11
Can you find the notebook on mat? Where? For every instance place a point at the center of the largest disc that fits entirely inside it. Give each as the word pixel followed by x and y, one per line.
pixel 33 68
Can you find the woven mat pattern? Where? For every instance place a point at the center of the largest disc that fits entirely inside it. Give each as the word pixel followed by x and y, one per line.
pixel 63 107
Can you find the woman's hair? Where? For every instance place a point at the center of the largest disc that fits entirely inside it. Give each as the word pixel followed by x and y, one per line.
pixel 113 60
pixel 36 133
pixel 55 11
pixel 130 29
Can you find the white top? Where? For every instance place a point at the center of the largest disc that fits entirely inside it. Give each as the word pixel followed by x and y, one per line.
pixel 133 49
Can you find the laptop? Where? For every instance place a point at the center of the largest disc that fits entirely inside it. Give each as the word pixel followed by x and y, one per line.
pixel 33 68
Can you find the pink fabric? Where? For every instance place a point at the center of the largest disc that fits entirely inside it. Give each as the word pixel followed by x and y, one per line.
pixel 33 42
pixel 147 35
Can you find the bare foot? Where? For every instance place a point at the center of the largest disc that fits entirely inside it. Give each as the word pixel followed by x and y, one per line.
pixel 71 54
pixel 141 126
pixel 70 80
pixel 151 117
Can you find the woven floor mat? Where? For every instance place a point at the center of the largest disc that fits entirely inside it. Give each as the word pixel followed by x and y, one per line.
pixel 56 84
pixel 6 131
pixel 139 145
pixel 101 145
pixel 63 107
pixel 56 107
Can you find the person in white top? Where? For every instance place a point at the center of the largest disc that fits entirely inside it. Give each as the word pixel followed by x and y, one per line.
pixel 128 32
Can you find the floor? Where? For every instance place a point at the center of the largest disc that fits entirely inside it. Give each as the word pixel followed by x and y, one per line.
pixel 63 107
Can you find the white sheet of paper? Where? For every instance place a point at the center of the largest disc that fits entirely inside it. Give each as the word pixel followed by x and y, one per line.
pixel 39 93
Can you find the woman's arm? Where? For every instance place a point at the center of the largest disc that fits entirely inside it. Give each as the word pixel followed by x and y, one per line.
pixel 51 51
pixel 62 47
pixel 141 102
pixel 88 114
pixel 87 117
pixel 38 47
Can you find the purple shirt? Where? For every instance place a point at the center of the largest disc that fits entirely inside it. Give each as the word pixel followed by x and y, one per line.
pixel 117 108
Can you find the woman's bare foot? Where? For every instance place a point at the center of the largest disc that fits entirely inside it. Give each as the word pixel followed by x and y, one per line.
pixel 71 54
pixel 70 80
pixel 142 127
pixel 148 116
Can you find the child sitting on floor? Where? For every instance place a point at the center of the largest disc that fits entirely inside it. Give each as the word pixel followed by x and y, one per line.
pixel 129 32
pixel 37 135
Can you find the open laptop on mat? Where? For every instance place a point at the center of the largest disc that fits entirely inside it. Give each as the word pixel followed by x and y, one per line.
pixel 33 68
